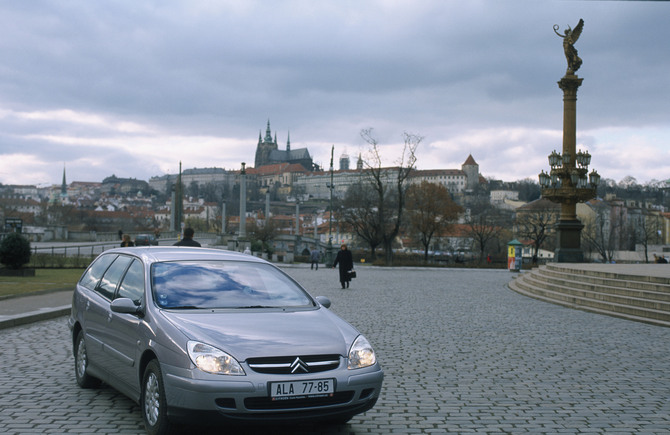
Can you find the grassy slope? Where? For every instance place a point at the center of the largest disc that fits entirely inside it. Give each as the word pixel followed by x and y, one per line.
pixel 44 280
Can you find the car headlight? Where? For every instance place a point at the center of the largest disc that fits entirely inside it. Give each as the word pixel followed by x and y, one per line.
pixel 212 360
pixel 361 354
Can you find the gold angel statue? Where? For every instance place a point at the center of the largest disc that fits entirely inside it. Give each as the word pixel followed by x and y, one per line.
pixel 569 38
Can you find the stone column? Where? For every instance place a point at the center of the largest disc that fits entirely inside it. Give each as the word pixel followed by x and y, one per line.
pixel 243 203
pixel 569 227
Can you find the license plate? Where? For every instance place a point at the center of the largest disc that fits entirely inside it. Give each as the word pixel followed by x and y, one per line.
pixel 302 389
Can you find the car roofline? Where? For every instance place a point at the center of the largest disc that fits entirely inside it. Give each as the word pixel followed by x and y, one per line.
pixel 154 254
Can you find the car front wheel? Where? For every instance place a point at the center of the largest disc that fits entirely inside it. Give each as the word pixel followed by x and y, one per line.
pixel 84 380
pixel 152 402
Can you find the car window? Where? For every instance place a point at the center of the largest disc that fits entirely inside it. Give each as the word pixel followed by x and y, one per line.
pixel 224 284
pixel 132 286
pixel 96 270
pixel 112 276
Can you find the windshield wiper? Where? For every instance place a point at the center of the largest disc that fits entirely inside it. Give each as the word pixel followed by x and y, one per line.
pixel 256 306
pixel 183 307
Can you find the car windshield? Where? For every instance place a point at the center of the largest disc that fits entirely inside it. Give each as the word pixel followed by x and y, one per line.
pixel 223 284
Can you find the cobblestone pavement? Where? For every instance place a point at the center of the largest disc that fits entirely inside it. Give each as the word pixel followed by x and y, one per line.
pixel 461 352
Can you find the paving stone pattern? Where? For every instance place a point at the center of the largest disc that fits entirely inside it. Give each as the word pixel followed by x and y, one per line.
pixel 461 352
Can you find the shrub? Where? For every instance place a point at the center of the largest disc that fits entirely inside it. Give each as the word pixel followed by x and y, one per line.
pixel 14 251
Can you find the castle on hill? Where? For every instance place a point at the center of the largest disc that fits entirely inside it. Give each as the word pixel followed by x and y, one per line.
pixel 268 152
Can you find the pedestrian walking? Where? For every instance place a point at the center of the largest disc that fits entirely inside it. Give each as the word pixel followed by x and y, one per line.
pixel 315 257
pixel 346 262
pixel 188 239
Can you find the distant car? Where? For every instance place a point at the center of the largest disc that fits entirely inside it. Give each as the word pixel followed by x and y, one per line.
pixel 145 240
pixel 213 336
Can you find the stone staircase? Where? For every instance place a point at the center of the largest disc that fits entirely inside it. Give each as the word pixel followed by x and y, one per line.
pixel 634 292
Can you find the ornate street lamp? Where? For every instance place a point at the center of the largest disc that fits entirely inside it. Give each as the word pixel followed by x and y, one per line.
pixel 329 248
pixel 567 182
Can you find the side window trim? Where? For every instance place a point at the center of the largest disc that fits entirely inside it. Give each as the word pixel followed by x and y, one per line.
pixel 98 287
pixel 97 283
pixel 125 273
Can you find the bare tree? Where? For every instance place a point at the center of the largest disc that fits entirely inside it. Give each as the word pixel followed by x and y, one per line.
pixel 360 214
pixel 648 231
pixel 535 220
pixel 486 226
pixel 601 231
pixel 389 185
pixel 431 211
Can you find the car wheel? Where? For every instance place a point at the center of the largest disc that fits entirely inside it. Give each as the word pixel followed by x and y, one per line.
pixel 152 401
pixel 81 364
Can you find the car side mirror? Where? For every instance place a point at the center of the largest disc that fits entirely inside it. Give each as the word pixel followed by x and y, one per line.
pixel 324 301
pixel 125 305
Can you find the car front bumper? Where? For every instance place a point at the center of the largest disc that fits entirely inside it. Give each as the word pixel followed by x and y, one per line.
pixel 247 398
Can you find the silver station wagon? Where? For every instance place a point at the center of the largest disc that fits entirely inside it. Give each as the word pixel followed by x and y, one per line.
pixel 214 337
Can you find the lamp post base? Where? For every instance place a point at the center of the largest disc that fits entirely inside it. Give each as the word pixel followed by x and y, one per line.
pixel 569 238
pixel 329 255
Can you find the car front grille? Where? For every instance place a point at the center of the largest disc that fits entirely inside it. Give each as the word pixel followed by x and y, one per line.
pixel 287 365
pixel 266 403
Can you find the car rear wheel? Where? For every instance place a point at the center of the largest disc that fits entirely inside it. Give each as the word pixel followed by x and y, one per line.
pixel 84 380
pixel 152 402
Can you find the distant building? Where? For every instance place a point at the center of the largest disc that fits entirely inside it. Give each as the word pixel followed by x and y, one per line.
pixel 114 184
pixel 281 175
pixel 456 181
pixel 268 152
pixel 200 176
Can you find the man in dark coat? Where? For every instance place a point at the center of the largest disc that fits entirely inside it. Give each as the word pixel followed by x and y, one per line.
pixel 346 263
pixel 188 239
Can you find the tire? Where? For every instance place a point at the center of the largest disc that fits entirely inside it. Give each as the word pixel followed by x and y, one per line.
pixel 152 401
pixel 84 380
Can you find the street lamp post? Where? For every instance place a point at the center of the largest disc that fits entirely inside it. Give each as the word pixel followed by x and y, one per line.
pixel 296 246
pixel 242 232
pixel 329 248
pixel 567 182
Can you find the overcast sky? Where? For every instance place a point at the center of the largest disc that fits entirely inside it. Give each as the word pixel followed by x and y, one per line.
pixel 132 88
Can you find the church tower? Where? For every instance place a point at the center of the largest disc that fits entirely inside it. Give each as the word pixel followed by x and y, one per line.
pixel 63 188
pixel 344 162
pixel 471 170
pixel 359 162
pixel 265 147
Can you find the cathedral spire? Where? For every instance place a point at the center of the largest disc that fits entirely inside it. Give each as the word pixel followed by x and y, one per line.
pixel 268 133
pixel 288 142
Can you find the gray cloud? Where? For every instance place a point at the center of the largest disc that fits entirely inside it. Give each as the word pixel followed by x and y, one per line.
pixel 147 84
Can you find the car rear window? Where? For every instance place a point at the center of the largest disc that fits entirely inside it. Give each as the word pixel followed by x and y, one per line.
pixel 224 284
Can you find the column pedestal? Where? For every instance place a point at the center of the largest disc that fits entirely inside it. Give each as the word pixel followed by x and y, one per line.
pixel 569 248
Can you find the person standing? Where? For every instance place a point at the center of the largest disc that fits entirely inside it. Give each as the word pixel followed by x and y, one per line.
pixel 346 263
pixel 125 241
pixel 315 257
pixel 188 239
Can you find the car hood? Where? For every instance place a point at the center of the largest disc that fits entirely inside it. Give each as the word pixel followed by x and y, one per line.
pixel 257 333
